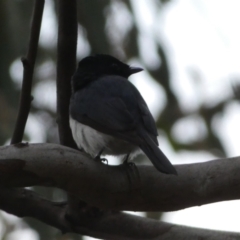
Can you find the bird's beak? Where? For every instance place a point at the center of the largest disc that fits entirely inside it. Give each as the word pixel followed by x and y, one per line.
pixel 135 70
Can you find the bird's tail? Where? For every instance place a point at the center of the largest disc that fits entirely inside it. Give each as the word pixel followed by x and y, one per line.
pixel 157 157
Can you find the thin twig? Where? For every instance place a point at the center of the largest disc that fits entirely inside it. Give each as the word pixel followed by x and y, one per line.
pixel 28 66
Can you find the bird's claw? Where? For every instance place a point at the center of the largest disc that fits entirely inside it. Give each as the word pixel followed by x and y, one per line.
pixel 130 164
pixel 102 160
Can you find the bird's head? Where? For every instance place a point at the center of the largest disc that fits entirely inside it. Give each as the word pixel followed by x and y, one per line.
pixel 92 67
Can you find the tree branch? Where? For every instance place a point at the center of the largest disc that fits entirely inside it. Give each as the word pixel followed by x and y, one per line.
pixel 104 224
pixel 28 68
pixel 119 187
pixel 66 64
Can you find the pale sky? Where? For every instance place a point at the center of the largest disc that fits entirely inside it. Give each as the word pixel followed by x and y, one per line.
pixel 204 35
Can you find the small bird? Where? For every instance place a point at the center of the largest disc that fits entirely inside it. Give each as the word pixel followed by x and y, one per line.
pixel 108 115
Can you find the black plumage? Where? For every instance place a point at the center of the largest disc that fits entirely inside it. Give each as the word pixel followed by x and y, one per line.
pixel 109 115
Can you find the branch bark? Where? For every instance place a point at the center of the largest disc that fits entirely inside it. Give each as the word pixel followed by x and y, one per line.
pixel 119 187
pixel 66 64
pixel 28 68
pixel 104 225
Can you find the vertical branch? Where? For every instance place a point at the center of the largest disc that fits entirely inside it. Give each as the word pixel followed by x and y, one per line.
pixel 28 69
pixel 66 64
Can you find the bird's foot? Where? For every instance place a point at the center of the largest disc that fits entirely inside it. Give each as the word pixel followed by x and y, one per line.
pixel 130 165
pixel 102 160
pixel 99 159
pixel 132 174
pixel 127 163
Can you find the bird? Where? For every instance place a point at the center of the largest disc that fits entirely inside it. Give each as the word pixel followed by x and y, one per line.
pixel 108 115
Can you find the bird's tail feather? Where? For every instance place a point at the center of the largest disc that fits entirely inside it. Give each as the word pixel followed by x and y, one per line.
pixel 157 157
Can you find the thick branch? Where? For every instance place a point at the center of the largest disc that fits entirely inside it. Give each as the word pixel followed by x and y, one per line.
pixel 66 64
pixel 28 68
pixel 104 225
pixel 119 187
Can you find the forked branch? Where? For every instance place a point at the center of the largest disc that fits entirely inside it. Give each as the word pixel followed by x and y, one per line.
pixel 104 224
pixel 28 69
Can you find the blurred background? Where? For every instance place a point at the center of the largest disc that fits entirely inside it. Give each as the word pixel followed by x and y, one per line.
pixel 191 55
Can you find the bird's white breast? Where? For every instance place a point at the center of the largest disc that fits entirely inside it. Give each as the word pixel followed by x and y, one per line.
pixel 93 141
pixel 87 138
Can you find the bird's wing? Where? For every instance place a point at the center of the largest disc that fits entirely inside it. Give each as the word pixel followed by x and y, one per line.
pixel 114 106
pixel 147 118
pixel 125 118
pixel 109 116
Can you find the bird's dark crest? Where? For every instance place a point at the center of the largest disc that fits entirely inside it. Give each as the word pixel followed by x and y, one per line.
pixel 93 67
pixel 103 64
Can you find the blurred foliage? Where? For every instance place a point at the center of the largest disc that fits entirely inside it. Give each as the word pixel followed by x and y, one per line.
pixel 103 35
